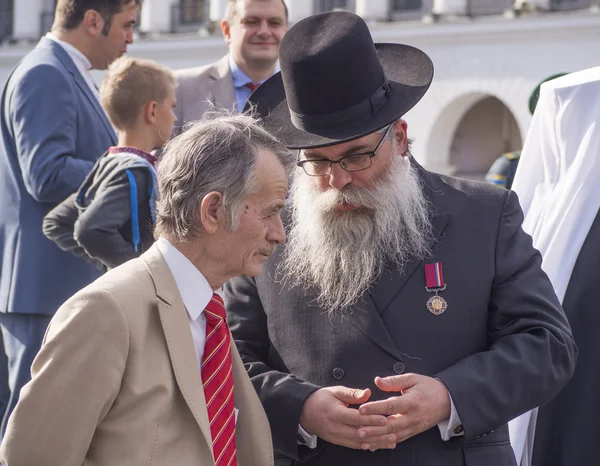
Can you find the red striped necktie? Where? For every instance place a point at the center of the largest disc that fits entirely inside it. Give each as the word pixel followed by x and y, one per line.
pixel 217 378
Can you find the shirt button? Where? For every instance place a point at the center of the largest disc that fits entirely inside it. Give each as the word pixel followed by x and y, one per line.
pixel 338 373
pixel 301 439
pixel 458 429
pixel 399 368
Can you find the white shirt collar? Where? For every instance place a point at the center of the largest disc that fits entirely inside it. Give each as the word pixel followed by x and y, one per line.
pixel 193 287
pixel 82 63
pixel 78 57
pixel 240 78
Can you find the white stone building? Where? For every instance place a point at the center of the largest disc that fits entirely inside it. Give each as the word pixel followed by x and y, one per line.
pixel 488 56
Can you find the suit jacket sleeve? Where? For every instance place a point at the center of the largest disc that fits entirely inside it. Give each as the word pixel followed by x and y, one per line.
pixel 76 377
pixel 531 353
pixel 98 228
pixel 45 127
pixel 281 394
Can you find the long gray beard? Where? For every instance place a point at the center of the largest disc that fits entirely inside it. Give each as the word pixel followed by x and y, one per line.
pixel 340 254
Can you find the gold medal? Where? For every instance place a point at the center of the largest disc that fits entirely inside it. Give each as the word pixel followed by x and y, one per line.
pixel 437 305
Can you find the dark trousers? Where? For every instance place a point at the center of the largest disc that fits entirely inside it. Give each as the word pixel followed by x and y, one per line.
pixel 22 335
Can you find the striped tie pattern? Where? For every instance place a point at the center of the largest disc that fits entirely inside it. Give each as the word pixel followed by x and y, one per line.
pixel 217 378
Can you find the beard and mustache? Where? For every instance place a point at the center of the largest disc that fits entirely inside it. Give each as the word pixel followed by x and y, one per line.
pixel 341 254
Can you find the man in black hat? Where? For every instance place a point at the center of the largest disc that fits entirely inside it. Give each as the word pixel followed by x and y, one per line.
pixel 407 319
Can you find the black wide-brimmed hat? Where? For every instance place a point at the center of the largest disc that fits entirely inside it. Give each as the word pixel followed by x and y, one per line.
pixel 336 85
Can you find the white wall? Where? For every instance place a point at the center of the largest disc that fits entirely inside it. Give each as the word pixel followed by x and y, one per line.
pixel 473 59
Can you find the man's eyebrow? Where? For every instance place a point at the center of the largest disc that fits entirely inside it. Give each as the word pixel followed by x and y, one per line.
pixel 350 151
pixel 276 207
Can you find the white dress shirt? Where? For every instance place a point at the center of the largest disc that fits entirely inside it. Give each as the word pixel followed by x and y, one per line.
pixel 83 64
pixel 194 289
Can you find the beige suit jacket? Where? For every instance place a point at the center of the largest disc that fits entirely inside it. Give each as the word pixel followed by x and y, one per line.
pixel 201 88
pixel 117 382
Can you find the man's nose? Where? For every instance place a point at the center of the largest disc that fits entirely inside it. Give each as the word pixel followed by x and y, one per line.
pixel 276 232
pixel 338 178
pixel 264 29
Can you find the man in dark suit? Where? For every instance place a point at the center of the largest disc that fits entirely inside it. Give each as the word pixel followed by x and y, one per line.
pixel 52 129
pixel 407 319
pixel 253 30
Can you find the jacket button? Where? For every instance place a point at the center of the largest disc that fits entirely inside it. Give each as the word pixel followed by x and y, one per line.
pixel 458 429
pixel 338 373
pixel 399 368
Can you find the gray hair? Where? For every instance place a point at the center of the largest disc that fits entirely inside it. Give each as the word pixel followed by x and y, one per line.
pixel 217 153
pixel 409 142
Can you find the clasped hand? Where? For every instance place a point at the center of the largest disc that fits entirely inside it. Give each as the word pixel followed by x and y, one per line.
pixel 422 402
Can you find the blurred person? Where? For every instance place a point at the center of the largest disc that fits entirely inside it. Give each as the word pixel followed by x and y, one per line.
pixel 502 172
pixel 139 367
pixel 52 130
pixel 111 217
pixel 394 280
pixel 557 185
pixel 253 30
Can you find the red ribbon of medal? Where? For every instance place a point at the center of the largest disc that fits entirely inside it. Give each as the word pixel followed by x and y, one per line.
pixel 434 283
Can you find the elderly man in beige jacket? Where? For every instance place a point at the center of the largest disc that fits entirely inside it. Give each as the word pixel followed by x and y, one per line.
pixel 139 367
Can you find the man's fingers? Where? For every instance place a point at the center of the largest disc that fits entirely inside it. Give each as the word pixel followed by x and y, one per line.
pixel 368 433
pixel 393 405
pixel 351 396
pixel 352 417
pixel 395 383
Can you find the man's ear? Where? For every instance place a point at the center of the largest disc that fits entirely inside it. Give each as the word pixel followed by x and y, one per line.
pixel 226 30
pixel 211 212
pixel 401 136
pixel 93 22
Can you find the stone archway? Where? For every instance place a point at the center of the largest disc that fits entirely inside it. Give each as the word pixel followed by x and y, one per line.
pixel 462 126
pixel 486 130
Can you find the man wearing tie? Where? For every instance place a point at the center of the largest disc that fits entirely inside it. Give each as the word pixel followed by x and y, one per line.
pixel 52 129
pixel 253 30
pixel 139 367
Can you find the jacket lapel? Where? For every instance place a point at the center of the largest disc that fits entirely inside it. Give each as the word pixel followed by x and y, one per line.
pixel 392 281
pixel 221 91
pixel 367 315
pixel 173 317
pixel 67 62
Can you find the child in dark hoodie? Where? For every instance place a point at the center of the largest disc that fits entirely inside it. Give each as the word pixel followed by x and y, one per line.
pixel 110 219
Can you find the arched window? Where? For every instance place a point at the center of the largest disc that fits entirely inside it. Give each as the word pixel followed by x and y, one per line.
pixel 322 6
pixel 406 5
pixel 488 7
pixel 192 12
pixel 409 9
pixel 6 19
pixel 569 4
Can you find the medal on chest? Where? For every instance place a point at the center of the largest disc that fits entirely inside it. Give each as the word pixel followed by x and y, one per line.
pixel 434 283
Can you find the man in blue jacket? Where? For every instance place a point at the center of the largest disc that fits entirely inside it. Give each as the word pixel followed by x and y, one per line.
pixel 52 129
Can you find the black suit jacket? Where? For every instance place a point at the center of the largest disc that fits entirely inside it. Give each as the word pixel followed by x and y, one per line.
pixel 503 345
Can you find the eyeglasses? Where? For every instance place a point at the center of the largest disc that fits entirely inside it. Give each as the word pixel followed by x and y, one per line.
pixel 350 163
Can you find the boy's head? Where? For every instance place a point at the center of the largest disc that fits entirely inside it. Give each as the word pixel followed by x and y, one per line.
pixel 139 95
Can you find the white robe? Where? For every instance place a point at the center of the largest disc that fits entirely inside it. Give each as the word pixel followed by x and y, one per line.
pixel 558 184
